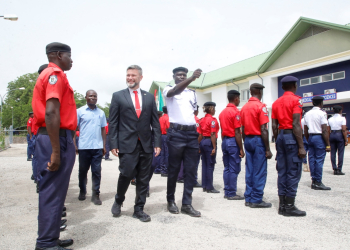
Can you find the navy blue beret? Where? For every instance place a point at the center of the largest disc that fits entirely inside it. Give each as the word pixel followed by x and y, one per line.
pixel 180 69
pixel 257 86
pixel 210 104
pixel 318 98
pixel 54 47
pixel 288 79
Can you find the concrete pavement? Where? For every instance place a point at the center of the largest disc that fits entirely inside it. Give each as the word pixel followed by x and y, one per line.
pixel 223 225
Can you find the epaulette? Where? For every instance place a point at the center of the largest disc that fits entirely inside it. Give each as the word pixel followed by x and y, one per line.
pixel 56 69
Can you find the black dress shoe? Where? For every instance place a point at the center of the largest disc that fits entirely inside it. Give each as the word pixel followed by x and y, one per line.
pixel 52 248
pixel 213 191
pixel 172 207
pixel 64 214
pixel 65 243
pixel 188 209
pixel 29 159
pixel 197 185
pixel 164 175
pixel 142 216
pixel 204 190
pixel 339 172
pixel 247 204
pixel 262 204
pixel 319 186
pixel 235 198
pixel 108 159
pixel 95 198
pixel 64 209
pixel 116 209
pixel 82 196
pixel 63 221
pixel 180 181
pixel 63 227
pixel 335 171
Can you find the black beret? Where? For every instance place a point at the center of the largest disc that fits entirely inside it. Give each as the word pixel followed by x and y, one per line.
pixel 257 86
pixel 165 108
pixel 42 67
pixel 337 107
pixel 54 47
pixel 210 104
pixel 180 69
pixel 288 79
pixel 233 92
pixel 30 113
pixel 159 112
pixel 318 98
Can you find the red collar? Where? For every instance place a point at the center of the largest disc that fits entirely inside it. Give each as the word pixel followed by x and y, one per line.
pixel 253 99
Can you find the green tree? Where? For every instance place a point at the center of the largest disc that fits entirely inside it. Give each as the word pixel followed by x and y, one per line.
pixel 79 99
pixel 105 109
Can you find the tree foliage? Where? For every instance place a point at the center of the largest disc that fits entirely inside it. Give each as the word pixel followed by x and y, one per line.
pixel 21 101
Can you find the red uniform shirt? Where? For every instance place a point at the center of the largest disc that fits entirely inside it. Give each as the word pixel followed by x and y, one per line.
pixel 164 123
pixel 253 115
pixel 209 124
pixel 197 124
pixel 53 83
pixel 230 119
pixel 77 133
pixel 284 108
pixel 107 128
pixel 35 127
pixel 30 124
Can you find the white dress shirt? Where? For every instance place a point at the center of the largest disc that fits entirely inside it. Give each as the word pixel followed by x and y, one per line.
pixel 132 95
pixel 336 122
pixel 314 119
pixel 181 107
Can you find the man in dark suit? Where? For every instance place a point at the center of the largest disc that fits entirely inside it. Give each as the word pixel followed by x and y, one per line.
pixel 132 121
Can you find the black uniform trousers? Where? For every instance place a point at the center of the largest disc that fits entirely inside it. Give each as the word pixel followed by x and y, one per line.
pixel 136 164
pixel 182 146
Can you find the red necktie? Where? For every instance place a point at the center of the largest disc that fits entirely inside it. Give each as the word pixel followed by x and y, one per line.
pixel 137 104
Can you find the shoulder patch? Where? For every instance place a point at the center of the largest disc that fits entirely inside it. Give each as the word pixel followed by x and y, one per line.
pixel 264 109
pixel 53 79
pixel 213 123
pixel 301 101
pixel 197 125
pixel 238 117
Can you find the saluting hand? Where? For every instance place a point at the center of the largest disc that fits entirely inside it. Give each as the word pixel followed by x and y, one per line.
pixel 268 154
pixel 197 73
pixel 55 163
pixel 302 153
pixel 115 152
pixel 241 153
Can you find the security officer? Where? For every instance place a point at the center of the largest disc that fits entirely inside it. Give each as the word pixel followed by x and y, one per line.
pixel 55 112
pixel 164 154
pixel 30 137
pixel 108 148
pixel 232 148
pixel 286 116
pixel 209 127
pixel 306 144
pixel 256 140
pixel 182 138
pixel 317 135
pixel 338 138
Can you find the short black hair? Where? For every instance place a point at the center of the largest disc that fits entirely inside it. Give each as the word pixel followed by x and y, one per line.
pixel 337 109
pixel 165 109
pixel 231 96
pixel 316 102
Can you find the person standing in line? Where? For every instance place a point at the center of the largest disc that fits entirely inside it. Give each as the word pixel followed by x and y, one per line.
pixel 257 147
pixel 30 137
pixel 316 133
pixel 164 156
pixel 232 147
pixel 197 185
pixel 132 121
pixel 108 148
pixel 306 144
pixel 286 117
pixel 55 113
pixel 209 127
pixel 182 138
pixel 92 145
pixel 338 139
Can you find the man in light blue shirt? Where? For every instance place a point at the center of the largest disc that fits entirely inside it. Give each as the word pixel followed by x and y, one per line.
pixel 92 145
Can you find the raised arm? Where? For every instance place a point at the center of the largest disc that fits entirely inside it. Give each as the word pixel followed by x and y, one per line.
pixel 182 85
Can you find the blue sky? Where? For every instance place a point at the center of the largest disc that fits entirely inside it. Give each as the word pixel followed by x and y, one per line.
pixel 108 36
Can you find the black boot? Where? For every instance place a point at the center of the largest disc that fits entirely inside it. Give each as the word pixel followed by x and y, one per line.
pixel 281 206
pixel 319 186
pixel 290 209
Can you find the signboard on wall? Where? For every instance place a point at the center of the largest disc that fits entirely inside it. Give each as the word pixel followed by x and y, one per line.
pixel 327 97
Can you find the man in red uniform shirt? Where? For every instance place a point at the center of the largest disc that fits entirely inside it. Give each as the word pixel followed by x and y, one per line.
pixel 232 148
pixel 164 154
pixel 286 118
pixel 209 127
pixel 256 140
pixel 55 113
pixel 29 136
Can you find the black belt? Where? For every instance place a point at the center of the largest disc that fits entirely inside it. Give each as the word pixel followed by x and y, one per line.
pixel 251 136
pixel 206 137
pixel 336 131
pixel 316 134
pixel 228 137
pixel 62 132
pixel 287 131
pixel 183 127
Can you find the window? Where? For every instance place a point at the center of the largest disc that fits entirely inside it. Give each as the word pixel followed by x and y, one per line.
pixel 245 95
pixel 323 78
